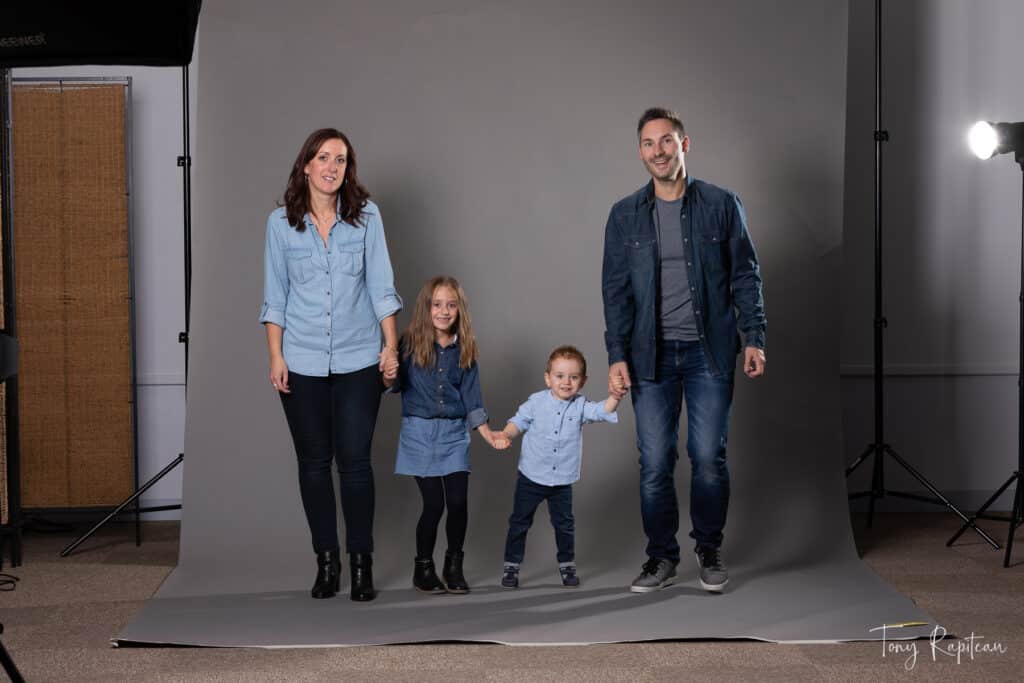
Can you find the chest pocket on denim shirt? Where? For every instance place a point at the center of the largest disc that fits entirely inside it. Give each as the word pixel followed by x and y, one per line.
pixel 349 258
pixel 300 265
pixel 640 248
pixel 453 373
pixel 714 253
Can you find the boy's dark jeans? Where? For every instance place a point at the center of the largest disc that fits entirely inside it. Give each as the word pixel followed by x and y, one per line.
pixel 528 496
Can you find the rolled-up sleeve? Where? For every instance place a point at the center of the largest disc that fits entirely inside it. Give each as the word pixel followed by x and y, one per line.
pixel 593 411
pixel 275 277
pixel 380 278
pixel 523 418
pixel 472 397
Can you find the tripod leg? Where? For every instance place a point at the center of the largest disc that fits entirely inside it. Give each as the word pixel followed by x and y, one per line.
pixel 1015 518
pixel 128 501
pixel 935 492
pixel 980 511
pixel 877 485
pixel 8 663
pixel 861 458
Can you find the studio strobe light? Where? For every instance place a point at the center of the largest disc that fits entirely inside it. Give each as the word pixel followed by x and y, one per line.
pixel 987 139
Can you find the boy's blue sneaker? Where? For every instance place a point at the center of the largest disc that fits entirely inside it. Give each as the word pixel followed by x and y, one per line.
pixel 510 576
pixel 569 578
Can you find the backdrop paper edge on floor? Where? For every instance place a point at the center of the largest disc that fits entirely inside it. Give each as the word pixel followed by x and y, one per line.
pixel 837 591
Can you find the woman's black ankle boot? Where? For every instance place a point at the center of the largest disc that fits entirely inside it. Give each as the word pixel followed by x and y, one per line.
pixel 453 572
pixel 424 577
pixel 328 574
pixel 362 577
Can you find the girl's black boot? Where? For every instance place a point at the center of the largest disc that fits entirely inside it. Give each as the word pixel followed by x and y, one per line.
pixel 424 577
pixel 453 572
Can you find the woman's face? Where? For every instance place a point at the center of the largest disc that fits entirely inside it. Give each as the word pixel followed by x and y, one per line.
pixel 325 172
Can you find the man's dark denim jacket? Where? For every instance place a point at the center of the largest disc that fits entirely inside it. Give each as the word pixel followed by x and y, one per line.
pixel 721 264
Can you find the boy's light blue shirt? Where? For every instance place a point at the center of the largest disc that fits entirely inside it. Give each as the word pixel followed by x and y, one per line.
pixel 552 431
pixel 329 298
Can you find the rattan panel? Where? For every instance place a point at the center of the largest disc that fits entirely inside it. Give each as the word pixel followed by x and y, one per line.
pixel 72 288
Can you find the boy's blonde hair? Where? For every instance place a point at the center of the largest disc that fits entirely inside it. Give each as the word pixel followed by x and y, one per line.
pixel 570 353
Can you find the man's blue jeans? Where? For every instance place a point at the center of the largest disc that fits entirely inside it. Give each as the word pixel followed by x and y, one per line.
pixel 682 371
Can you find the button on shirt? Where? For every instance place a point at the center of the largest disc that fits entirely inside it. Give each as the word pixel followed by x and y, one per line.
pixel 553 436
pixel 329 298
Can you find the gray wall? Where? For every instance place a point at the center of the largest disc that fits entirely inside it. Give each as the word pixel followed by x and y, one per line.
pixel 158 244
pixel 951 242
pixel 495 139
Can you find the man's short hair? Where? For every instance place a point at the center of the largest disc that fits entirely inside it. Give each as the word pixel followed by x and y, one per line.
pixel 655 113
pixel 570 353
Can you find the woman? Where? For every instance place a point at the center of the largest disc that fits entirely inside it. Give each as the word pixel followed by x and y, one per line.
pixel 329 297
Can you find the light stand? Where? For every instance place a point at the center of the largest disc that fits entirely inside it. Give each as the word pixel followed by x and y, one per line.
pixel 10 533
pixel 879 448
pixel 8 371
pixel 986 140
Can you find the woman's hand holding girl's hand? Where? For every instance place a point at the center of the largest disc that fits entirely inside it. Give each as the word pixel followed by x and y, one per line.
pixel 390 369
pixel 389 359
pixel 279 374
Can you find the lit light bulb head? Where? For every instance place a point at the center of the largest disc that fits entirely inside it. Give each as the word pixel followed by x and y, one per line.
pixel 982 139
pixel 987 139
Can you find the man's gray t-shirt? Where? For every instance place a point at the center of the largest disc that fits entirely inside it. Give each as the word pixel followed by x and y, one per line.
pixel 677 321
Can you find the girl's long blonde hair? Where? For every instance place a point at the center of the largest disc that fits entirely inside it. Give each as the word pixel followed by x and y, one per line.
pixel 418 338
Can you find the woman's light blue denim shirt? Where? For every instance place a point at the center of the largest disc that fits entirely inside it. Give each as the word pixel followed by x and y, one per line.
pixel 329 298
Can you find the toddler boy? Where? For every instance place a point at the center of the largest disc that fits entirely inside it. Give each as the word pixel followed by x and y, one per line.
pixel 549 462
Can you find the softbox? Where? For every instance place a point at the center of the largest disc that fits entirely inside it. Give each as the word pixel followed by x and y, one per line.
pixel 155 33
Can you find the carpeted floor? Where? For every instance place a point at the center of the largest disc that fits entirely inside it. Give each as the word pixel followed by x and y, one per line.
pixel 59 621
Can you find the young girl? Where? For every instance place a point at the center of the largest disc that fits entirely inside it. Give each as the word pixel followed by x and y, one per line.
pixel 440 385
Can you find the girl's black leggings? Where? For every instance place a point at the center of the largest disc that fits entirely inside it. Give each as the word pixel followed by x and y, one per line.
pixel 439 492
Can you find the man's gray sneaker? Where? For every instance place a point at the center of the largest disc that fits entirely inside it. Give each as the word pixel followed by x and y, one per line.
pixel 713 576
pixel 510 576
pixel 656 574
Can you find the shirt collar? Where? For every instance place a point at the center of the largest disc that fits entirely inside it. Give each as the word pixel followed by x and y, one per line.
pixel 559 401
pixel 455 341
pixel 337 213
pixel 649 188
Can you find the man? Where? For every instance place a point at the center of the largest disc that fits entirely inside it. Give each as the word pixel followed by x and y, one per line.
pixel 680 277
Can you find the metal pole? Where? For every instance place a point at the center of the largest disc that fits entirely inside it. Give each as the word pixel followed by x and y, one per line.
pixel 185 162
pixel 10 386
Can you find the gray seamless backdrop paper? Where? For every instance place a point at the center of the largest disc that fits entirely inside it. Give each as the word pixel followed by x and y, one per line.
pixel 495 137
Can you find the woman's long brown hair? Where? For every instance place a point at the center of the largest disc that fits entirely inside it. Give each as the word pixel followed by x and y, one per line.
pixel 418 338
pixel 296 195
